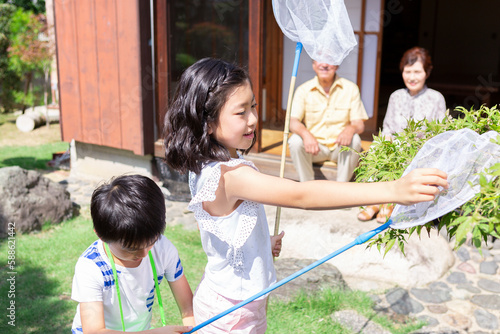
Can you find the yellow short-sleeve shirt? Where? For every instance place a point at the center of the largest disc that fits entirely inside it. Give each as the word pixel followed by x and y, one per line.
pixel 326 116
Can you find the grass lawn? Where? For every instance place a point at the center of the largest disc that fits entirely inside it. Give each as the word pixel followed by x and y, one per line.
pixel 39 280
pixel 44 268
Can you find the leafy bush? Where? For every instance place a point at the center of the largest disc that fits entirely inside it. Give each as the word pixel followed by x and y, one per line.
pixel 9 80
pixel 386 161
pixel 29 55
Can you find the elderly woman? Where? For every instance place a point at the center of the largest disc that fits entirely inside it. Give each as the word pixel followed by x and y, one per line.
pixel 416 101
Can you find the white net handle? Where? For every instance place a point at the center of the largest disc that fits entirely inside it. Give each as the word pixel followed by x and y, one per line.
pixel 462 154
pixel 322 26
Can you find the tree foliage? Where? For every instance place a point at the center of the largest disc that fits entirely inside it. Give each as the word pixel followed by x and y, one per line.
pixel 35 6
pixel 30 52
pixel 9 80
pixel 478 219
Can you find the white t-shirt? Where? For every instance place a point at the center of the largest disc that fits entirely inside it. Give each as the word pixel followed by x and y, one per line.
pixel 93 281
pixel 238 246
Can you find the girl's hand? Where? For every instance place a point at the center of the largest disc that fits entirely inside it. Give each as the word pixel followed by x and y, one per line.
pixel 276 244
pixel 420 185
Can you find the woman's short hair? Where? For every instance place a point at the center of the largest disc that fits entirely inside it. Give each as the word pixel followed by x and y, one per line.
pixel 415 54
pixel 203 90
pixel 130 210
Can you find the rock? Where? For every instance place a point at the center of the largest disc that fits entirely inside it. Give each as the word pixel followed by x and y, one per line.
pixel 437 309
pixel 463 254
pixel 468 268
pixel 456 278
pixel 488 267
pixel 358 323
pixel 427 258
pixel 321 276
pixel 401 302
pixel 29 200
pixel 487 301
pixel 430 321
pixel 469 287
pixel 489 285
pixel 438 292
pixel 485 319
pixel 457 320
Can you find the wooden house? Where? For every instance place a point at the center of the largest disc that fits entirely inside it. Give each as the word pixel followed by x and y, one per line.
pixel 119 62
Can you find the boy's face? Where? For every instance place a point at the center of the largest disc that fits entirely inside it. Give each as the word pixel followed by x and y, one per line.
pixel 127 257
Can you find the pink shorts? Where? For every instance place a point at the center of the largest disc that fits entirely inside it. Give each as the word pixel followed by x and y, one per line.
pixel 249 319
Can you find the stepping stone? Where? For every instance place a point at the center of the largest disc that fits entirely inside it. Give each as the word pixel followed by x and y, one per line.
pixel 401 302
pixel 456 278
pixel 488 267
pixel 487 301
pixel 485 319
pixel 463 254
pixel 438 292
pixel 489 285
pixel 358 323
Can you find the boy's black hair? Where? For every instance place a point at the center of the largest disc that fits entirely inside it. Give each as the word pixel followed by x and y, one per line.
pixel 202 92
pixel 130 210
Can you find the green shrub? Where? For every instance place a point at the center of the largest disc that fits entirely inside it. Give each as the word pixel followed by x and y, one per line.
pixel 385 161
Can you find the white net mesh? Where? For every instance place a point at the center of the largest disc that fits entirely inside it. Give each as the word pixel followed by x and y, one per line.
pixel 322 26
pixel 462 154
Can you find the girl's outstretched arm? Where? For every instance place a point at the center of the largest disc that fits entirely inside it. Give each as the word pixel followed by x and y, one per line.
pixel 245 183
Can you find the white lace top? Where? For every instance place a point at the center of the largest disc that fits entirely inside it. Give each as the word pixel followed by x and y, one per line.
pixel 238 245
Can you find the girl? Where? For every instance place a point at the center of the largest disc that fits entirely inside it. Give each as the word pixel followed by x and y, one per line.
pixel 211 120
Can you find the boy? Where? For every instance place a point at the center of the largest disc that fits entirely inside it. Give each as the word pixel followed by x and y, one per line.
pixel 128 215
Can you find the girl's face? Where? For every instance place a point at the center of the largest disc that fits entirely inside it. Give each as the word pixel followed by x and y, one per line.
pixel 237 121
pixel 414 77
pixel 126 257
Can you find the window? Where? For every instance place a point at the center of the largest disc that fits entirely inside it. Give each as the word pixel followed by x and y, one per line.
pixel 210 28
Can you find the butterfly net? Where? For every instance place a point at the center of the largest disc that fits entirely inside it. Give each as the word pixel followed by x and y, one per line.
pixel 322 26
pixel 462 154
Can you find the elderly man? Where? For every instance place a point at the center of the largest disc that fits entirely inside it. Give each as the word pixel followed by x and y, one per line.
pixel 327 113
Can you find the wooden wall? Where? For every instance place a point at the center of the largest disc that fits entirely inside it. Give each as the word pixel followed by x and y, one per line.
pixel 105 73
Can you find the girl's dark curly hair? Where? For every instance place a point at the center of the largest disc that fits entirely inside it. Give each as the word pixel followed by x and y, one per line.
pixel 203 90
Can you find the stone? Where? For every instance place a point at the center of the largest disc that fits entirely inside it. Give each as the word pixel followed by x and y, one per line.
pixel 401 302
pixel 358 323
pixel 469 287
pixel 489 285
pixel 465 266
pixel 438 292
pixel 437 309
pixel 456 278
pixel 457 320
pixel 426 330
pixel 420 266
pixel 485 319
pixel 325 275
pixel 488 267
pixel 429 321
pixel 463 254
pixel 29 200
pixel 487 301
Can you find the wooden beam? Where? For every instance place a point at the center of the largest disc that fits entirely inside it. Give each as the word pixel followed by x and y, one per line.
pixel 255 51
